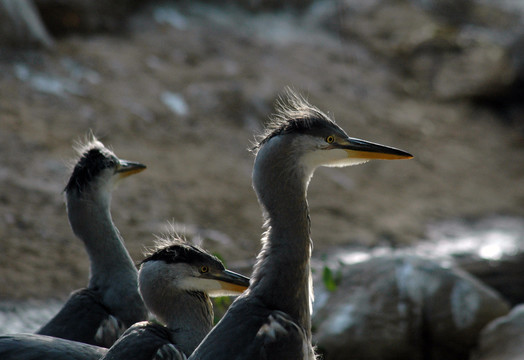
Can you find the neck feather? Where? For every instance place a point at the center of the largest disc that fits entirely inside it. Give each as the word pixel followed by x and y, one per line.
pixel 281 277
pixel 192 320
pixel 90 219
pixel 188 314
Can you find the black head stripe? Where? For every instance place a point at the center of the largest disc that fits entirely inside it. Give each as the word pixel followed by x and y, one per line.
pixel 183 253
pixel 89 166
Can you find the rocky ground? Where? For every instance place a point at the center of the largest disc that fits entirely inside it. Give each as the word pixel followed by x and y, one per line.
pixel 184 89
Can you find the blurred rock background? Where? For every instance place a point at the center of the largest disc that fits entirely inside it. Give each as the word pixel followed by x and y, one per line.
pixel 183 87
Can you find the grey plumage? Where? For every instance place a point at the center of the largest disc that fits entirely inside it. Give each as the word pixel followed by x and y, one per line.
pixel 146 340
pixel 43 347
pixel 100 313
pixel 176 281
pixel 272 319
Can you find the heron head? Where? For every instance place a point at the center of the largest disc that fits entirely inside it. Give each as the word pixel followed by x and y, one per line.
pixel 186 267
pixel 314 139
pixel 99 168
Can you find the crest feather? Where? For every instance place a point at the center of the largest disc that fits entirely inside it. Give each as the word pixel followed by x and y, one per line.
pixel 171 248
pixel 293 114
pixel 93 156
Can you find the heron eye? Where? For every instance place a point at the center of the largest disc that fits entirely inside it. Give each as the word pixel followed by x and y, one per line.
pixel 330 139
pixel 204 269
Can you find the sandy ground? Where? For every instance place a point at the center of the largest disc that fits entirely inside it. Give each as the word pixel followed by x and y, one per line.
pixel 186 100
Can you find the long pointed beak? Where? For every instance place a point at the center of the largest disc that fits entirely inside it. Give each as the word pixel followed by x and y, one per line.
pixel 362 149
pixel 230 281
pixel 126 168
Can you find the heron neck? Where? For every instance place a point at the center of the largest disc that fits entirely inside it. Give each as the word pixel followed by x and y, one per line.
pixel 90 219
pixel 281 278
pixel 188 314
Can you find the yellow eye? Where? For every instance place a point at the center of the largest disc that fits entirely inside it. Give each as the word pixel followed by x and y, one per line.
pixel 204 269
pixel 330 139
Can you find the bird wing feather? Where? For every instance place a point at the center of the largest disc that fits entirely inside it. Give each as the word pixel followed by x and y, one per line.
pixel 281 338
pixel 255 333
pixel 42 347
pixel 145 340
pixel 86 319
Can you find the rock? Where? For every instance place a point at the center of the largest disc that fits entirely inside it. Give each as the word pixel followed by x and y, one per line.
pixel 85 16
pixel 451 49
pixel 491 249
pixel 503 338
pixel 264 5
pixel 503 275
pixel 389 28
pixel 21 26
pixel 479 70
pixel 403 307
pixel 449 11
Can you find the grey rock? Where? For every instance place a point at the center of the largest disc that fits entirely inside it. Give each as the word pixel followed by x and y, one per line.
pixel 21 25
pixel 482 69
pixel 491 249
pixel 451 49
pixel 503 338
pixel 403 306
pixel 85 16
pixel 503 275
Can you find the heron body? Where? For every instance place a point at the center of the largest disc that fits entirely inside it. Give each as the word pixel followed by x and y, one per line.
pixel 155 340
pixel 43 347
pixel 176 281
pixel 272 319
pixel 111 303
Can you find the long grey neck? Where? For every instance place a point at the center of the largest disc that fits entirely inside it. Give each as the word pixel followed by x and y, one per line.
pixel 91 221
pixel 188 314
pixel 192 320
pixel 281 277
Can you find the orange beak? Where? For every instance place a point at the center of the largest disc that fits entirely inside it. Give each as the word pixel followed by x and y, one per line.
pixel 361 149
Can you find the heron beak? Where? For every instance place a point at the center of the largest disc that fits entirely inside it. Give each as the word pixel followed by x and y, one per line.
pixel 126 168
pixel 361 149
pixel 230 281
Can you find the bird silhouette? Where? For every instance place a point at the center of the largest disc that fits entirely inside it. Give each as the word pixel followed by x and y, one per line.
pixel 272 319
pixel 99 313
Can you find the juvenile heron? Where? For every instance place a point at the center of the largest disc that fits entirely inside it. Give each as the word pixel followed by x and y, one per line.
pixel 176 282
pixel 111 303
pixel 272 319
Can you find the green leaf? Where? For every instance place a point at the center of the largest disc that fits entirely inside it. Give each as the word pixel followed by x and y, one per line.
pixel 331 281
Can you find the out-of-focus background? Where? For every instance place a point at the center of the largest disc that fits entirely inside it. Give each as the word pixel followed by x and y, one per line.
pixel 183 87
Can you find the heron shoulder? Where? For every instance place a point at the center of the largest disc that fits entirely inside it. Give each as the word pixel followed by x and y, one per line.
pixel 42 347
pixel 86 307
pixel 145 340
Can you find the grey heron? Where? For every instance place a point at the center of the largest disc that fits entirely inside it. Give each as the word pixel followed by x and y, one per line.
pixel 176 281
pixel 111 303
pixel 272 319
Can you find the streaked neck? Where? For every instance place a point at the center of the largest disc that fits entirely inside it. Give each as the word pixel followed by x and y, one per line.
pixel 281 277
pixel 91 221
pixel 191 316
